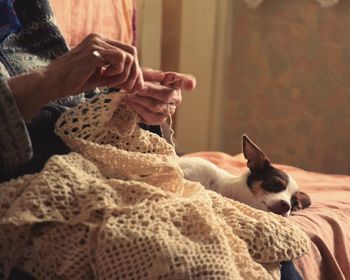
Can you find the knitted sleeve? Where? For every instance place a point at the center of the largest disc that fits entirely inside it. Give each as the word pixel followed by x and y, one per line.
pixel 15 144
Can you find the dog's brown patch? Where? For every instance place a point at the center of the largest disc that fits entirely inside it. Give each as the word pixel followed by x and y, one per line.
pixel 272 179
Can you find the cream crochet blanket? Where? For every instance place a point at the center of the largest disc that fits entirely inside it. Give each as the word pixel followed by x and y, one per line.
pixel 118 207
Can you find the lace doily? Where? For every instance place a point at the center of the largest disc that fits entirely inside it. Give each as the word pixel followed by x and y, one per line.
pixel 118 207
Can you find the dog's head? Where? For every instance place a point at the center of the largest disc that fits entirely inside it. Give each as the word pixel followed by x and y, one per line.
pixel 273 189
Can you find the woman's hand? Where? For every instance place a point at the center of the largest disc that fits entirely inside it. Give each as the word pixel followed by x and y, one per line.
pixel 77 71
pixel 81 70
pixel 160 96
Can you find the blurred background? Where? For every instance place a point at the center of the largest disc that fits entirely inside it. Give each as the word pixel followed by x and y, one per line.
pixel 279 73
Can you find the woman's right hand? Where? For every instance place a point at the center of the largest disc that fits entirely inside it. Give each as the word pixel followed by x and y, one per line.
pixel 80 70
pixel 77 71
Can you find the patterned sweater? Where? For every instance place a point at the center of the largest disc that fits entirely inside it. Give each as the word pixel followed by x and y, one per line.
pixel 38 42
pixel 25 147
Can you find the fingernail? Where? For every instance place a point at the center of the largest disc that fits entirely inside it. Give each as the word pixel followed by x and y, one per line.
pixel 190 84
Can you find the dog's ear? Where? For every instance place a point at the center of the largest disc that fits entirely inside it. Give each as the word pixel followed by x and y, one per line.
pixel 300 200
pixel 256 158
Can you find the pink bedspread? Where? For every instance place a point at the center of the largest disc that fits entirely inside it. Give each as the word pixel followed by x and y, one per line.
pixel 327 221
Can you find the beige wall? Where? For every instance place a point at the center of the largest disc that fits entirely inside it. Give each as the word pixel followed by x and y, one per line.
pixel 200 28
pixel 196 57
pixel 288 83
pixel 149 29
pixel 190 43
pixel 278 73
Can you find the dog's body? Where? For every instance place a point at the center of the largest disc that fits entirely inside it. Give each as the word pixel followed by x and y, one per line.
pixel 263 187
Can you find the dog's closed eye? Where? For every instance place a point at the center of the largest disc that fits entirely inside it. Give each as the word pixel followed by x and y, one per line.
pixel 275 184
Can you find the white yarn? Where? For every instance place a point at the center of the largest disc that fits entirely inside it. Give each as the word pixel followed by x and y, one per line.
pixel 172 132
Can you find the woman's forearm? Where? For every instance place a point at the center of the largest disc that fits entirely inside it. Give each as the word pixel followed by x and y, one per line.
pixel 32 91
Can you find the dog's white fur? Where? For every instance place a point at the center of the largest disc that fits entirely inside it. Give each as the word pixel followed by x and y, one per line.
pixel 235 187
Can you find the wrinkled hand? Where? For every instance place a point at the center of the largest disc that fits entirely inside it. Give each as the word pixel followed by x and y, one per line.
pixel 160 96
pixel 80 70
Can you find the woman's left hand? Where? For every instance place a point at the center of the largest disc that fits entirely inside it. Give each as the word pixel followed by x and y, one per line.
pixel 160 96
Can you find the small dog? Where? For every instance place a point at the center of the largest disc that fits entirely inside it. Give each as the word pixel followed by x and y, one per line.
pixel 263 186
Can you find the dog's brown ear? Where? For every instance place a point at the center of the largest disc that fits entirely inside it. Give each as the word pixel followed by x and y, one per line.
pixel 300 200
pixel 257 160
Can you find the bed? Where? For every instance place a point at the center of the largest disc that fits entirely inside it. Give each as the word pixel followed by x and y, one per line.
pixel 326 222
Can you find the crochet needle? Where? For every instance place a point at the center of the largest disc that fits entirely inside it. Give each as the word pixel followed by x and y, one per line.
pixel 98 55
pixel 171 84
pixel 103 68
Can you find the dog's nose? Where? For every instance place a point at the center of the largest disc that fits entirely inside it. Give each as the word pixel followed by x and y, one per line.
pixel 281 207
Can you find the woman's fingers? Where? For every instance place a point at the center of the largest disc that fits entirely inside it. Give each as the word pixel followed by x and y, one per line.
pixel 153 105
pixel 170 79
pixel 183 82
pixel 132 79
pixel 118 62
pixel 161 93
pixel 179 81
pixel 148 116
pixel 131 53
pixel 120 69
pixel 102 62
pixel 156 105
pixel 128 48
pixel 96 62
pixel 153 75
pixel 139 83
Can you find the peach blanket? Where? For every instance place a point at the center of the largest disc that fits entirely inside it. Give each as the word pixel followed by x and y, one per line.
pixel 326 222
